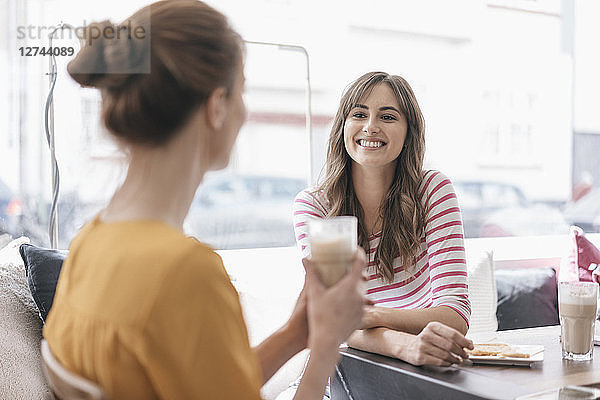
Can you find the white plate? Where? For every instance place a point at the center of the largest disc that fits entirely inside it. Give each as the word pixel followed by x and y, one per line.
pixel 536 354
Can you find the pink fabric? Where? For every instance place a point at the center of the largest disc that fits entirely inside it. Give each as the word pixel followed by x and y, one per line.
pixel 582 253
pixel 585 255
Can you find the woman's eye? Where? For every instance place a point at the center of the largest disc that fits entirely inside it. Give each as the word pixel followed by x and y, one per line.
pixel 389 117
pixel 359 115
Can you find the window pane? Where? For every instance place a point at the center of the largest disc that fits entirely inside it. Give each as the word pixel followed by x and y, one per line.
pixel 499 106
pixel 497 102
pixel 250 203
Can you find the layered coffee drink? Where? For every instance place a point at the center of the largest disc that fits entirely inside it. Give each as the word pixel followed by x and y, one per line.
pixel 332 246
pixel 332 257
pixel 577 303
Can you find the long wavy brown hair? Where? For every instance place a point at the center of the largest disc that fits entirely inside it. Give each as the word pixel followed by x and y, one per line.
pixel 402 214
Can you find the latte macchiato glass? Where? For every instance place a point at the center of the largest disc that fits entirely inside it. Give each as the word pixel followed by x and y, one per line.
pixel 577 303
pixel 332 246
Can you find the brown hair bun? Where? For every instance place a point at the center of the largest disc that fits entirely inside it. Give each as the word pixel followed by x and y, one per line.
pixel 151 83
pixel 106 59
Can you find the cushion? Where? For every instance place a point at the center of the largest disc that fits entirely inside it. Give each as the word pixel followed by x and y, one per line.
pixel 526 298
pixel 587 255
pixel 42 267
pixel 21 374
pixel 482 292
pixel 582 258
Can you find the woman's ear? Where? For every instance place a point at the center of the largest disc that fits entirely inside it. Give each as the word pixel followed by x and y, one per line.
pixel 216 108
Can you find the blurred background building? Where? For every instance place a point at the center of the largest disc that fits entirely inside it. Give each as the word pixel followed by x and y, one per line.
pixel 509 90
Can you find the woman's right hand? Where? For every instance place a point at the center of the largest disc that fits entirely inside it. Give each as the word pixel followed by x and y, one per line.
pixel 437 344
pixel 335 312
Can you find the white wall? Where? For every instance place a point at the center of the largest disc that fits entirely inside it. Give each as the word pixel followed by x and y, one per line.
pixel 454 54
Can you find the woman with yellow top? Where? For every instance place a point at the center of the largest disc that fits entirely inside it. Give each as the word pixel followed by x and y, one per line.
pixel 140 308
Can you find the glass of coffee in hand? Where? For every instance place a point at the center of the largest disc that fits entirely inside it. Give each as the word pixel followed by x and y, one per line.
pixel 577 302
pixel 332 246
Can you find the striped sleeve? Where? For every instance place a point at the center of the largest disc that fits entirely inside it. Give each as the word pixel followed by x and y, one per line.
pixel 445 244
pixel 306 206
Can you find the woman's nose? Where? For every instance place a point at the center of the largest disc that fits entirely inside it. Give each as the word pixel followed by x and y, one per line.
pixel 371 127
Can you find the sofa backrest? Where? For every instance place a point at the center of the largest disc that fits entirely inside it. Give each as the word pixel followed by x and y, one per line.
pixel 21 374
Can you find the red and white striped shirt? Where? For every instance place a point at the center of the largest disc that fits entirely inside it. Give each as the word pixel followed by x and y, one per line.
pixel 440 275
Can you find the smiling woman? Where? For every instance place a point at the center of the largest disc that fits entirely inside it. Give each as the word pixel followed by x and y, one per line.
pixel 408 221
pixel 378 108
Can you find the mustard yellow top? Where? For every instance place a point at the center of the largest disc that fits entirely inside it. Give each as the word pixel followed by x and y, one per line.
pixel 149 313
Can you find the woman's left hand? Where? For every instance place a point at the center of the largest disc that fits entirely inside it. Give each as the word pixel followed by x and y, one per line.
pixel 298 321
pixel 437 345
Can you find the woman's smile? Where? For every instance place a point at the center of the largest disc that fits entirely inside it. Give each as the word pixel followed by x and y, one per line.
pixel 370 144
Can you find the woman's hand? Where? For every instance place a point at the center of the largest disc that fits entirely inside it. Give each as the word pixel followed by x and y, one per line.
pixel 335 312
pixel 438 345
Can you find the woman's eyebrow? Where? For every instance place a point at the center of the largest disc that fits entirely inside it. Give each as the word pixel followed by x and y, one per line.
pixel 389 108
pixel 380 108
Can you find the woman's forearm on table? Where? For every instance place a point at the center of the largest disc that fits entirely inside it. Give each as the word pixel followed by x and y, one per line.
pixel 413 321
pixel 383 341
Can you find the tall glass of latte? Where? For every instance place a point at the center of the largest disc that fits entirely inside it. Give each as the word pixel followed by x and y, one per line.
pixel 577 302
pixel 332 246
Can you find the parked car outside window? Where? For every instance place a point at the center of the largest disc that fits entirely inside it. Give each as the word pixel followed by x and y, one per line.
pixel 585 213
pixel 492 209
pixel 244 211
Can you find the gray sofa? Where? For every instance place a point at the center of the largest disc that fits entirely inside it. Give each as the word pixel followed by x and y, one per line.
pixel 21 374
